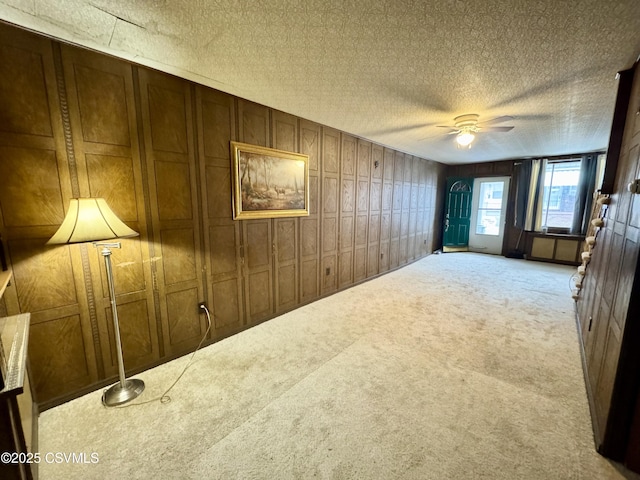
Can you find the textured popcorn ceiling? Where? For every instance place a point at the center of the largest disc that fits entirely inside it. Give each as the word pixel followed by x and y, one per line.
pixel 389 71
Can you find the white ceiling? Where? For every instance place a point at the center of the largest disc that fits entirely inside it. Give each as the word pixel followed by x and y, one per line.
pixel 389 71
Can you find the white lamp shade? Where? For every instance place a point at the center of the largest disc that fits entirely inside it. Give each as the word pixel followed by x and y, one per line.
pixel 90 220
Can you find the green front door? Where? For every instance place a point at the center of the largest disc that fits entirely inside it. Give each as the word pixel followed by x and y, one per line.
pixel 457 214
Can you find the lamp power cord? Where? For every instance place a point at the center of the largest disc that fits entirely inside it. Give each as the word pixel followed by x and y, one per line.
pixel 165 398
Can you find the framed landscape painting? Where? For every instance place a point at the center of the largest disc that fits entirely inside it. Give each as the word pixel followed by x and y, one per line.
pixel 269 183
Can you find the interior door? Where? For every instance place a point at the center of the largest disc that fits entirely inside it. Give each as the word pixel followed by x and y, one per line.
pixel 457 214
pixel 489 206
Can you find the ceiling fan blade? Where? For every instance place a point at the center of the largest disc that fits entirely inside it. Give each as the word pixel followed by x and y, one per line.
pixel 493 121
pixel 399 129
pixel 495 129
pixel 451 131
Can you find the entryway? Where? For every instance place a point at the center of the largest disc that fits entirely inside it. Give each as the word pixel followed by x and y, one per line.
pixel 488 211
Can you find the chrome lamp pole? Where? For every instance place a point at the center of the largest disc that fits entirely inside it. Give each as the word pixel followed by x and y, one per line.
pixel 126 389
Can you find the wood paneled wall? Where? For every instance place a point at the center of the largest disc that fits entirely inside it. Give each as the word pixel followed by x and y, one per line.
pixel 78 123
pixel 609 304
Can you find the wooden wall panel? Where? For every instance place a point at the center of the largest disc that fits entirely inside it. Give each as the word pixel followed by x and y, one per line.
pixel 431 222
pixel 386 208
pixel 37 186
pixel 168 132
pixel 310 144
pixel 38 292
pixel 184 317
pixel 625 280
pixel 223 239
pixel 421 223
pixel 613 270
pixel 257 236
pixel 104 127
pixel 403 254
pixel 285 131
pixel 363 183
pixel 227 304
pixel 436 220
pixel 59 370
pixel 100 90
pixel 286 257
pixel 41 168
pixel 440 183
pixel 28 67
pixel 132 277
pixel 136 341
pixel 375 210
pixel 599 333
pixel 608 364
pixel 348 192
pixel 414 235
pixel 253 123
pixel 216 128
pixel 112 177
pixel 178 249
pixel 330 194
pixel 396 214
pixel 258 269
pixel 286 230
pixel 592 297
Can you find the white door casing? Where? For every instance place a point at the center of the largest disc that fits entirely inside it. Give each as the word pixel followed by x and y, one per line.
pixel 488 213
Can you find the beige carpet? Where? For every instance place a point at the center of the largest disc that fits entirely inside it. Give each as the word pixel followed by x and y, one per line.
pixel 459 366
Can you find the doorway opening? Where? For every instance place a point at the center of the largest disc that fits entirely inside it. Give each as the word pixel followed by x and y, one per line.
pixel 488 214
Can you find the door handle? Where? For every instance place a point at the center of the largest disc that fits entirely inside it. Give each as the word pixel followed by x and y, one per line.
pixel 446 225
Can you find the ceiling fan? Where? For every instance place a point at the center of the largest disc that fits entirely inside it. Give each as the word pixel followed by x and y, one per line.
pixel 466 127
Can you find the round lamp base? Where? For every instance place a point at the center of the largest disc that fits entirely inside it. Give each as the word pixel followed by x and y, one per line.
pixel 117 395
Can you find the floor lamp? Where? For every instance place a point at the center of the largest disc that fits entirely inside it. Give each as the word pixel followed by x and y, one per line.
pixel 91 220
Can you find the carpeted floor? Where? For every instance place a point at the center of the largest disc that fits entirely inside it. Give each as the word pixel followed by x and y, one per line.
pixel 459 366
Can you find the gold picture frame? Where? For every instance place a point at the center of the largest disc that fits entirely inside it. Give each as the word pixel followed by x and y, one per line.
pixel 268 183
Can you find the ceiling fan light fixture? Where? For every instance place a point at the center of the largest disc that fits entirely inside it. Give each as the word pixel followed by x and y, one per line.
pixel 464 139
pixel 466 127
